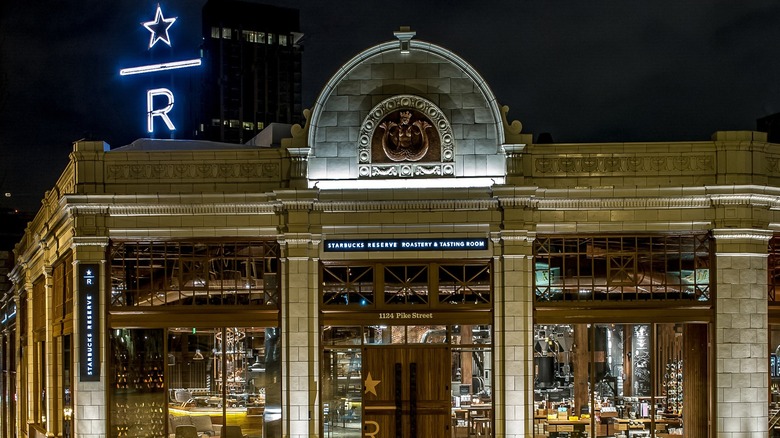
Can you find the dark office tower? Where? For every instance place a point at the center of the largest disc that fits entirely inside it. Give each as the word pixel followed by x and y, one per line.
pixel 253 69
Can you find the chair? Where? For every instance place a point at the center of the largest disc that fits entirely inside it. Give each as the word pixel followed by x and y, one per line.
pixel 232 432
pixel 186 432
pixel 183 396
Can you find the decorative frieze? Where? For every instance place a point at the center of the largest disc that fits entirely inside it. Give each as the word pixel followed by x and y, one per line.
pixel 159 171
pixel 588 165
pixel 772 164
pixel 407 170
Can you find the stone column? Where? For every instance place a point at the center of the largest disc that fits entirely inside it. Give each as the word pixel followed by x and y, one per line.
pixel 26 389
pixel 741 330
pixel 300 336
pixel 513 331
pixel 52 361
pixel 89 398
pixel 18 277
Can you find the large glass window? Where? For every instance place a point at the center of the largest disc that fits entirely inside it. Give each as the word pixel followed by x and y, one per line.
pixel 224 381
pixel 137 393
pixel 773 270
pixel 391 285
pixel 225 377
pixel 630 379
pixel 195 273
pixel 8 368
pixel 774 376
pixel 622 268
pixel 63 288
pixel 66 374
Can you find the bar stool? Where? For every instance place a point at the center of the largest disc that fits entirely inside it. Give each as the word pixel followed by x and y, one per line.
pixel 482 426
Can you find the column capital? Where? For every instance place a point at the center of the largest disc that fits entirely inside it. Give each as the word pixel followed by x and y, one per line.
pixel 513 242
pixel 304 245
pixel 742 241
pixel 742 234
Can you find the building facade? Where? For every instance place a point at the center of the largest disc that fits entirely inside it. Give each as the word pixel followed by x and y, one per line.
pixel 252 78
pixel 407 263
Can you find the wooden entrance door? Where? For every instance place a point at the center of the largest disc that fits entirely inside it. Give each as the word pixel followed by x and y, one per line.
pixel 406 392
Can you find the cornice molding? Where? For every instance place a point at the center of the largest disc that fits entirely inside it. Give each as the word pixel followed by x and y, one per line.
pixel 757 200
pixel 661 202
pixel 220 209
pixel 407 205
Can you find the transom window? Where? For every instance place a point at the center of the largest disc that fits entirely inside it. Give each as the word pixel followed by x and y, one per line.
pixel 385 285
pixel 195 273
pixel 622 268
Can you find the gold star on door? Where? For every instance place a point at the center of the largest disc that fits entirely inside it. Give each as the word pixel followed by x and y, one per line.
pixel 371 384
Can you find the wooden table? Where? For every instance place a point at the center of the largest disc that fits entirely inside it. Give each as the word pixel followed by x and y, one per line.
pixel 477 411
pixel 644 423
pixel 575 428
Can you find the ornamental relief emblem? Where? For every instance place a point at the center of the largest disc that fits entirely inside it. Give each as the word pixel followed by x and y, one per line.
pixel 405 136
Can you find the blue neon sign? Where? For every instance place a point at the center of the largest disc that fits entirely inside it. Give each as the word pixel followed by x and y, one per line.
pixel 160 100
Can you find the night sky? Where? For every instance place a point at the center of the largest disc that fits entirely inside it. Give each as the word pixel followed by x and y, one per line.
pixel 585 71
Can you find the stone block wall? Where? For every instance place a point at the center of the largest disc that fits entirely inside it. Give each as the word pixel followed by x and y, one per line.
pixel 741 330
pixel 421 73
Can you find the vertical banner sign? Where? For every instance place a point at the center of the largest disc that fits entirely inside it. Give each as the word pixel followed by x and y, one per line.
pixel 89 325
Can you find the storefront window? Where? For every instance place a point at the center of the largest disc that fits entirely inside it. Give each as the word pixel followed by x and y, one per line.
pixel 219 380
pixel 608 379
pixel 465 283
pixel 622 268
pixel 136 386
pixel 194 273
pixel 67 386
pixel 773 286
pixel 773 270
pixel 430 366
pixel 8 357
pixel 406 284
pixel 225 377
pixel 347 285
pixel 774 369
pixel 393 285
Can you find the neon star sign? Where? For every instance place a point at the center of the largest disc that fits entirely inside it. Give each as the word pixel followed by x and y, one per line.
pixel 159 28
